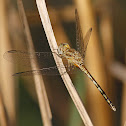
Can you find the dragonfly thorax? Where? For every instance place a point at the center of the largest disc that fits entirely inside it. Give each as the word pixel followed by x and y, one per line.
pixel 63 47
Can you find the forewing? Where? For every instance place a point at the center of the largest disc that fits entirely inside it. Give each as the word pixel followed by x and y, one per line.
pixel 80 42
pixel 45 60
pixel 79 35
pixel 23 58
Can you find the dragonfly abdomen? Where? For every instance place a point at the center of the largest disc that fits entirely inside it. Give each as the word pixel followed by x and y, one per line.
pixel 82 67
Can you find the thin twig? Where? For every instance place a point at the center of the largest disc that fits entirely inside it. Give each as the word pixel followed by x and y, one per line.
pixel 53 45
pixel 39 83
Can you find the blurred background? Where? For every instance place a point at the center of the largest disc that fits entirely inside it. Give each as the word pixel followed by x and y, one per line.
pixel 105 59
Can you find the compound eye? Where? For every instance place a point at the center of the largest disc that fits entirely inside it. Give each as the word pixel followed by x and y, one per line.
pixel 66 45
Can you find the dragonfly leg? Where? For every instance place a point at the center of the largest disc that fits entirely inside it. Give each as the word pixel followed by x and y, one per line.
pixel 70 66
pixel 63 73
pixel 58 54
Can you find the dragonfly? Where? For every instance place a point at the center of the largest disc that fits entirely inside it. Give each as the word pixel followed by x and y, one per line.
pixel 74 58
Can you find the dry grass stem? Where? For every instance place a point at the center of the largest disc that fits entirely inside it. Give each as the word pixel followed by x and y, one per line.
pixel 123 121
pixel 107 36
pixel 57 26
pixel 53 45
pixel 7 86
pixel 123 109
pixel 66 14
pixel 3 117
pixel 118 70
pixel 39 84
pixel 94 63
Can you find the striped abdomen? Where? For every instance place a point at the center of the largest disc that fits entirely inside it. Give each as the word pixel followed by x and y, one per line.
pixel 82 67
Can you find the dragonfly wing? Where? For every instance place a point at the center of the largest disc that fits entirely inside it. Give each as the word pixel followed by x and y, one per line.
pixel 45 60
pixel 23 58
pixel 80 42
pixel 86 40
pixel 44 71
pixel 17 56
pixel 79 36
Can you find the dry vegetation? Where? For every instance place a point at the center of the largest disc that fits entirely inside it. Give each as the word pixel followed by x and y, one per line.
pixel 44 100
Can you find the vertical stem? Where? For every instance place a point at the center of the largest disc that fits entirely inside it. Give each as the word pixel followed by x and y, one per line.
pixel 7 86
pixel 123 121
pixel 53 45
pixel 39 83
pixel 95 64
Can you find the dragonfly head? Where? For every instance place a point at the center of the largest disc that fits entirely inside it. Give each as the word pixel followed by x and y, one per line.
pixel 62 48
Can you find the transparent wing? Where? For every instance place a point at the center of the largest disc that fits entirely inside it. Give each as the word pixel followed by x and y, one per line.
pixel 80 42
pixel 46 71
pixel 45 60
pixel 22 58
pixel 86 40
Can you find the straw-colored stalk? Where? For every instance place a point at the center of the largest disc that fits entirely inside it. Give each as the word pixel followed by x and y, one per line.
pixel 3 117
pixel 53 45
pixel 7 87
pixel 95 64
pixel 106 30
pixel 118 70
pixel 66 14
pixel 123 121
pixel 57 27
pixel 34 19
pixel 39 83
